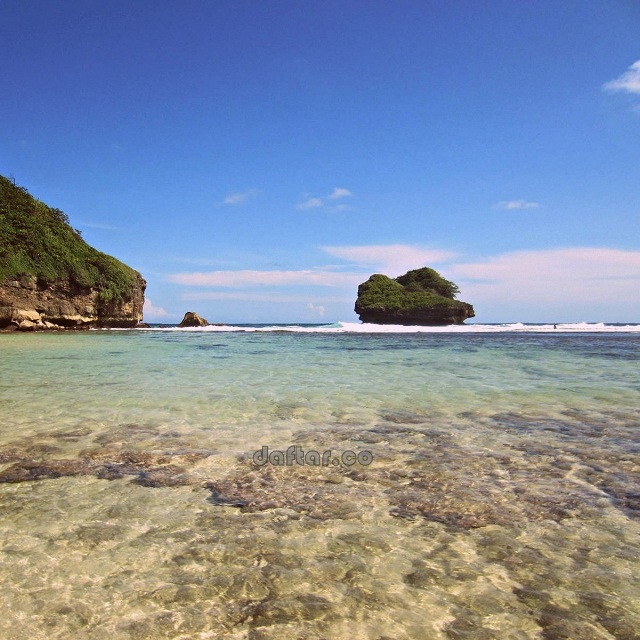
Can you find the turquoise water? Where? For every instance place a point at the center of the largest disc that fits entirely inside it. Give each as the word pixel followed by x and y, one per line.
pixel 502 499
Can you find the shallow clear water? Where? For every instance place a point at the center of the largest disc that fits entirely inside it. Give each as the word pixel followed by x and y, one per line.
pixel 502 500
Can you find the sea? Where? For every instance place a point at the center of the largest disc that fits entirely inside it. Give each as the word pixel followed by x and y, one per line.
pixel 321 482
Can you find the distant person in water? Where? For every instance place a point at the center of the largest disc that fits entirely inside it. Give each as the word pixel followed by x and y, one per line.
pixel 555 326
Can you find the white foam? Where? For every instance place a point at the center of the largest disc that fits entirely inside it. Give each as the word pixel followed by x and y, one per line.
pixel 356 327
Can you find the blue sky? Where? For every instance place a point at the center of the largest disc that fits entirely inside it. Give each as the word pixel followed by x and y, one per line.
pixel 256 161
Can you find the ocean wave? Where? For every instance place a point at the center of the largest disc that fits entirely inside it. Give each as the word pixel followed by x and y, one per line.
pixel 356 327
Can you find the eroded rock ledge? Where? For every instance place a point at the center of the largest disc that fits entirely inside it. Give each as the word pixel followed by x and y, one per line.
pixel 29 305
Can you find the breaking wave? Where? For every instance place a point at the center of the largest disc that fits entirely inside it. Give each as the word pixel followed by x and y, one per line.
pixel 357 327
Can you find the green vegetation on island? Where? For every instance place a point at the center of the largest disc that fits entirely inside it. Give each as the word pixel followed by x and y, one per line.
pixel 50 278
pixel 419 297
pixel 37 240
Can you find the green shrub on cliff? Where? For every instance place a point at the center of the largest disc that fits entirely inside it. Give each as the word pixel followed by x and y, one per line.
pixel 425 286
pixel 427 279
pixel 36 240
pixel 421 296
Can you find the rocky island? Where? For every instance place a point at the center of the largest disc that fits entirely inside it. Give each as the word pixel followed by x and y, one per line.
pixel 51 278
pixel 192 319
pixel 419 297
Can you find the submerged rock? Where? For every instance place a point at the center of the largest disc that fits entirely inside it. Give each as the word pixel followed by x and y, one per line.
pixel 192 319
pixel 419 297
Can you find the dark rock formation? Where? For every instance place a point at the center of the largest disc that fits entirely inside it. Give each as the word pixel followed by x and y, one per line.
pixel 420 297
pixel 50 278
pixel 192 319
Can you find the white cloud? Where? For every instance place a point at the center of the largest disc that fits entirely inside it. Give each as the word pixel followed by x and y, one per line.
pixel 151 311
pixel 392 260
pixel 590 277
pixel 566 284
pixel 319 309
pixel 338 193
pixel 92 225
pixel 310 203
pixel 239 197
pixel 629 81
pixel 248 278
pixel 317 203
pixel 517 204
pixel 253 296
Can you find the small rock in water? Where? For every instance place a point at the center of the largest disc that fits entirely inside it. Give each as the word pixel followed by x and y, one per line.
pixel 192 319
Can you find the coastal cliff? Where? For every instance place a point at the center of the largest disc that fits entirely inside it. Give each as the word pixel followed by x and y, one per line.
pixel 51 278
pixel 419 297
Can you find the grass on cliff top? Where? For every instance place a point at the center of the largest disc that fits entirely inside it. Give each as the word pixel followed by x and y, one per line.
pixel 36 240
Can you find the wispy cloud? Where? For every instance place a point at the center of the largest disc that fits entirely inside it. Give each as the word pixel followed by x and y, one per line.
pixel 316 308
pixel 338 193
pixel 577 283
pixel 389 259
pixel 590 276
pixel 317 203
pixel 151 311
pixel 248 278
pixel 392 259
pixel 309 203
pixel 511 205
pixel 97 225
pixel 255 296
pixel 629 81
pixel 239 197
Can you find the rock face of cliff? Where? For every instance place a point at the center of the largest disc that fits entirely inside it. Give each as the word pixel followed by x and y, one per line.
pixel 29 304
pixel 50 277
pixel 419 297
